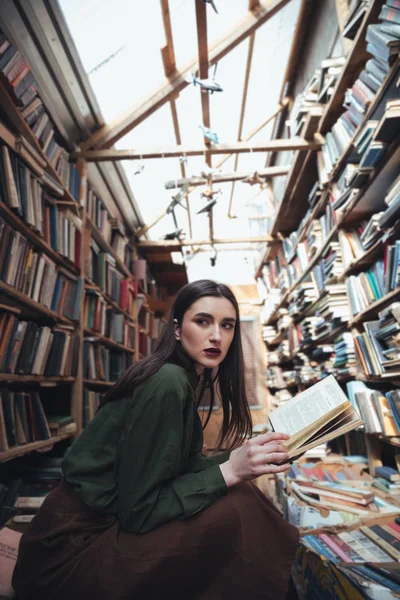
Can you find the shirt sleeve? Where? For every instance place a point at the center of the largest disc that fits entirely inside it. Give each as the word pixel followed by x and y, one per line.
pixel 197 460
pixel 151 488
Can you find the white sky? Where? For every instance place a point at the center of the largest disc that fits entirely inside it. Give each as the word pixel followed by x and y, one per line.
pixel 119 44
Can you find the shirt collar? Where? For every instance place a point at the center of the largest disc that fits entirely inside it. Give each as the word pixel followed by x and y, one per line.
pixel 181 358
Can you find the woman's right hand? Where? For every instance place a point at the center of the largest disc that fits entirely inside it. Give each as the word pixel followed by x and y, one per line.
pixel 258 456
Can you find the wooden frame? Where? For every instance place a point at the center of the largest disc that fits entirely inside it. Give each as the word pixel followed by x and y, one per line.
pixel 112 132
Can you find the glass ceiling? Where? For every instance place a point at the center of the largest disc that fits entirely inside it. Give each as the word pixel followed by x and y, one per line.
pixel 119 44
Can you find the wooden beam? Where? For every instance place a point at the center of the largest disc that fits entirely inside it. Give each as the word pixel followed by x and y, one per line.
pixel 224 177
pixel 116 129
pixel 243 108
pixel 174 246
pixel 167 52
pixel 295 143
pixel 201 23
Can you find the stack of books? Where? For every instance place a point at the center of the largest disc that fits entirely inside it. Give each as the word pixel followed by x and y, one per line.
pixel 106 320
pixel 345 363
pixel 302 298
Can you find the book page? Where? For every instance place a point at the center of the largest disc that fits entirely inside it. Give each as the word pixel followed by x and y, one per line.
pixel 308 406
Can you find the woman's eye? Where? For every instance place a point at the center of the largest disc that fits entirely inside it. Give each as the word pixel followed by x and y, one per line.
pixel 228 325
pixel 201 321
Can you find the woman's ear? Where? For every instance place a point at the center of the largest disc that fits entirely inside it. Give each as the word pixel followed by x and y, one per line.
pixel 177 330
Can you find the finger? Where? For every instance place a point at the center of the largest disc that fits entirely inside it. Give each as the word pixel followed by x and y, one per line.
pixel 275 469
pixel 275 458
pixel 272 447
pixel 270 437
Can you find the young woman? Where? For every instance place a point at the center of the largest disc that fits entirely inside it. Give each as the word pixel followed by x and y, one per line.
pixel 141 512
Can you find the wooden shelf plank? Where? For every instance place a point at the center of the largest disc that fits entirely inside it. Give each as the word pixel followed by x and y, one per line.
pixel 16 378
pixel 98 383
pixel 33 305
pixel 375 307
pixel 25 448
pixel 107 341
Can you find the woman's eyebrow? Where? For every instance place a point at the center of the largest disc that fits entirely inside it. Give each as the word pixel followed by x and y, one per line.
pixel 208 316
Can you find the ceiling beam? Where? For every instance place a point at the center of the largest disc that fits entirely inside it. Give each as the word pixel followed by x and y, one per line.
pixel 110 133
pixel 167 52
pixel 253 4
pixel 175 246
pixel 224 177
pixel 295 143
pixel 243 108
pixel 201 23
pixel 168 57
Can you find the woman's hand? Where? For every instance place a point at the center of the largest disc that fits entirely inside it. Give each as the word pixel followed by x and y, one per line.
pixel 258 456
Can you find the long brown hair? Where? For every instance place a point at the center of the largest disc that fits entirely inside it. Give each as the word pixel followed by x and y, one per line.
pixel 236 423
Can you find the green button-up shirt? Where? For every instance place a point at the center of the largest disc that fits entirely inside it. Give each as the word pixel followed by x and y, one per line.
pixel 140 457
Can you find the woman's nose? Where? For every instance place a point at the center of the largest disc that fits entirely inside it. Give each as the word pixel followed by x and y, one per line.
pixel 216 333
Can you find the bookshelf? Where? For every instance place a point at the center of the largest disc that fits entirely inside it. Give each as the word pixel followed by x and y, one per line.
pixel 87 249
pixel 301 317
pixel 299 180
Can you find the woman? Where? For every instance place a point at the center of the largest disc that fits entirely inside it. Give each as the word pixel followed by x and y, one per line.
pixel 141 512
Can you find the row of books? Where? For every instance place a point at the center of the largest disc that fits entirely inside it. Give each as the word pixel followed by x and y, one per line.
pixel 23 420
pixel 27 348
pixel 376 282
pixel 102 363
pixel 36 276
pixel 102 318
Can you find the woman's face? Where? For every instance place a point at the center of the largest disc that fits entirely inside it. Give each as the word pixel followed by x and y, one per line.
pixel 207 331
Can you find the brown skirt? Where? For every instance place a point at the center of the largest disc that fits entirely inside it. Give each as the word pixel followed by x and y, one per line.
pixel 240 547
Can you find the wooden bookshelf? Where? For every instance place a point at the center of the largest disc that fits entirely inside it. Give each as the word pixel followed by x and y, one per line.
pixel 17 451
pixel 355 62
pixel 365 201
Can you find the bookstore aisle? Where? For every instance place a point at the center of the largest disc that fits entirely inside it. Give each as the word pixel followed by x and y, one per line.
pixel 270 162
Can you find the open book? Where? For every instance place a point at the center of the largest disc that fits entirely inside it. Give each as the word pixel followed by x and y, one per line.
pixel 314 416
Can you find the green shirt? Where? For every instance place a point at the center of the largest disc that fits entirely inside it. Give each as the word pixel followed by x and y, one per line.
pixel 140 457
